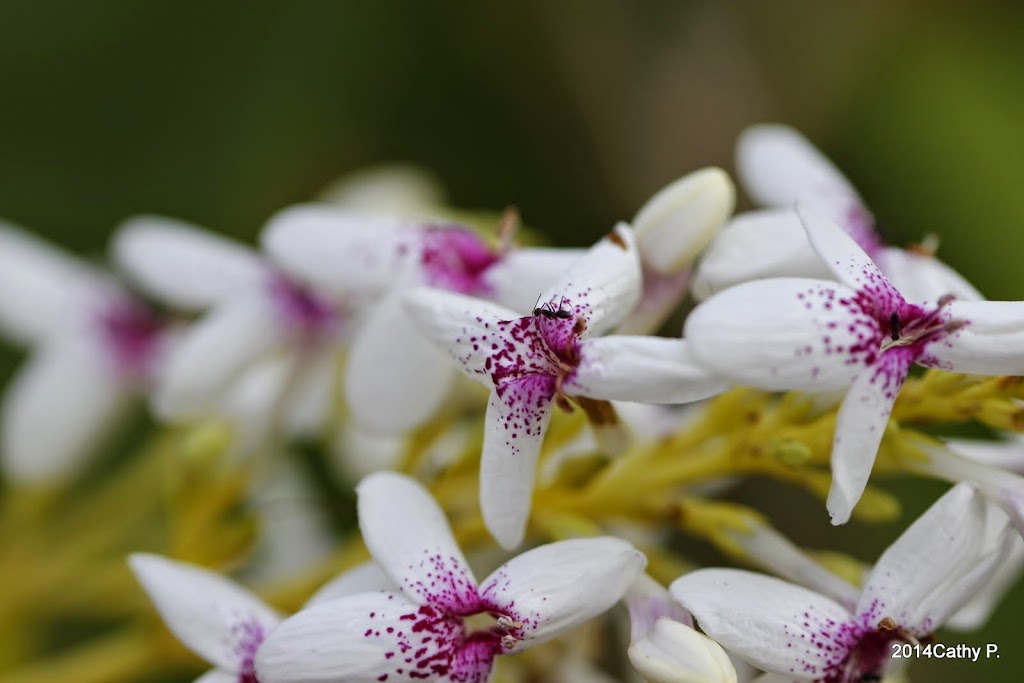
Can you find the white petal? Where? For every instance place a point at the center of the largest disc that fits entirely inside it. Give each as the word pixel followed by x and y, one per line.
pixel 365 638
pixel 514 428
pixel 215 618
pixel 394 189
pixel 978 609
pixel 44 289
pixel 642 369
pixel 1007 455
pixel 675 225
pixel 395 379
pixel 556 587
pixel 251 400
pixel 783 333
pixel 991 342
pixel 774 625
pixel 367 577
pixel 58 408
pixel 339 251
pixel 310 400
pixel 465 326
pixel 848 262
pixel 183 265
pixel 937 563
pixel 924 278
pixel 604 285
pixel 213 353
pixel 757 245
pixel 408 536
pixel 860 426
pixel 675 653
pixel 521 274
pixel 217 676
pixel 778 167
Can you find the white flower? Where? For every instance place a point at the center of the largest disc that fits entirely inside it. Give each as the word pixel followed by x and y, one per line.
pixel 94 348
pixel 212 616
pixel 263 335
pixel 420 632
pixel 779 167
pixel 942 559
pixel 536 361
pixel 395 379
pixel 794 333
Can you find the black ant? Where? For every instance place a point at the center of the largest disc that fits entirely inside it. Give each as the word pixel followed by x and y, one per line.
pixel 549 310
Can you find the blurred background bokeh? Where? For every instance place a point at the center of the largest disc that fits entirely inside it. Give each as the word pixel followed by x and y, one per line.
pixel 222 113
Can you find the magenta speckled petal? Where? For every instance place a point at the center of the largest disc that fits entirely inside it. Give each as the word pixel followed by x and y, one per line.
pixel 774 625
pixel 860 426
pixel 517 417
pixel 366 638
pixel 558 586
pixel 217 619
pixel 604 285
pixel 991 341
pixel 409 537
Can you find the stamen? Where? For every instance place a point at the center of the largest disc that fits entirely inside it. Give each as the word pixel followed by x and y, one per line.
pixel 508 642
pixel 507 623
pixel 887 624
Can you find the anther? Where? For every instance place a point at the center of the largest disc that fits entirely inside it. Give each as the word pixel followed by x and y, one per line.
pixel 507 623
pixel 887 624
pixel 508 642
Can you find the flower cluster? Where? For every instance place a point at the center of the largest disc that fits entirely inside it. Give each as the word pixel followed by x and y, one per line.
pixel 580 441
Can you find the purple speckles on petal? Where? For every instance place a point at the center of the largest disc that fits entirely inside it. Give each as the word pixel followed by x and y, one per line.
pixel 456 259
pixel 132 334
pixel 446 584
pixel 527 401
pixel 248 635
pixel 860 225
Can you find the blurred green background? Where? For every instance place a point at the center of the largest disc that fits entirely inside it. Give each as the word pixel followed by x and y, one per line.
pixel 222 113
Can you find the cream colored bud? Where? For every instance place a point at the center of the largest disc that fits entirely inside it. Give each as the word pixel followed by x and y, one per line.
pixel 675 653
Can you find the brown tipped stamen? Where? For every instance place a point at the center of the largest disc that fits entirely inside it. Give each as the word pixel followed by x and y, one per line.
pixel 616 239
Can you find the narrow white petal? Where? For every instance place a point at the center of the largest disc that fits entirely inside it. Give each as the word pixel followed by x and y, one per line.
pixel 775 625
pixel 757 245
pixel 214 617
pixel 848 262
pixel 395 379
pixel 937 563
pixel 465 326
pixel 558 586
pixel 978 609
pixel 58 408
pixel 183 265
pixel 514 428
pixel 364 638
pixel 990 343
pixel 339 251
pixel 408 536
pixel 675 225
pixel 251 400
pixel 860 426
pixel 778 167
pixel 310 400
pixel 367 577
pixel 784 333
pixel 1007 455
pixel 642 369
pixel 675 653
pixel 43 289
pixel 604 285
pixel 924 278
pixel 517 279
pixel 213 353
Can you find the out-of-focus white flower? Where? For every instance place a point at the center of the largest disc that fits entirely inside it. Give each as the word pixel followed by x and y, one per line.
pixel 420 631
pixel 860 332
pixel 392 189
pixel 94 348
pixel 932 569
pixel 212 616
pixel 264 345
pixel 779 167
pixel 395 379
pixel 534 362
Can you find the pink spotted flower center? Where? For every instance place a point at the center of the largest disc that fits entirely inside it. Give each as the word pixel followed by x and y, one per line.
pixel 131 333
pixel 456 259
